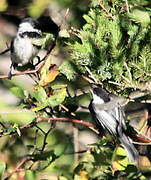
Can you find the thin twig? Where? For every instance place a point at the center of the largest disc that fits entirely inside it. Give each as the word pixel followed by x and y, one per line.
pixel 45 139
pixel 2 125
pixel 127 6
pixel 107 12
pixel 24 72
pixel 67 110
pixel 40 129
pixel 5 51
pixel 35 140
pixel 76 143
pixel 91 75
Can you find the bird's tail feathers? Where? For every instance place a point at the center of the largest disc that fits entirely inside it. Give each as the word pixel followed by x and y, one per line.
pixel 130 148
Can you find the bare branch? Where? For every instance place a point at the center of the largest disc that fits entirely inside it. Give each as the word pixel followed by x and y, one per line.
pixel 67 120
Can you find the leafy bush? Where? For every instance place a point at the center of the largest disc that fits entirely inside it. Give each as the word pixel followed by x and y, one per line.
pixel 112 48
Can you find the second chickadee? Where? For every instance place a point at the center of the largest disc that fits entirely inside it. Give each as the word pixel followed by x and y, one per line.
pixel 22 48
pixel 108 114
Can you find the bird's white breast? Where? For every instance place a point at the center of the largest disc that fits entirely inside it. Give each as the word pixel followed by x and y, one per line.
pixel 24 51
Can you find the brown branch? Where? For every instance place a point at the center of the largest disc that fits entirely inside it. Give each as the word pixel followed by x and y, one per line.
pixel 67 120
pixel 76 121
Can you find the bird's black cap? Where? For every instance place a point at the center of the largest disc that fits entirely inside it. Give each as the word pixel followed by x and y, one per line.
pixel 102 93
pixel 34 22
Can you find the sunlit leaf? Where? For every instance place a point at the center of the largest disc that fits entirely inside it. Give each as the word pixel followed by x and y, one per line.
pixel 120 161
pixel 16 115
pixel 38 41
pixel 83 175
pixel 49 38
pixel 39 107
pixel 140 15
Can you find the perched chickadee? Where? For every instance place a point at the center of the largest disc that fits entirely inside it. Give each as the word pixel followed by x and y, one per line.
pixel 107 111
pixel 22 48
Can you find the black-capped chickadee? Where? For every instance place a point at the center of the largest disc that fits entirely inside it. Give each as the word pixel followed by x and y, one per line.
pixel 22 48
pixel 107 111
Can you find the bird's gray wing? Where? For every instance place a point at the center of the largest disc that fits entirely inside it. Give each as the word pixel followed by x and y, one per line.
pixel 108 121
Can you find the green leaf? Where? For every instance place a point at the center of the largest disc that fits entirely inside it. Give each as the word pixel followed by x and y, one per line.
pixel 17 91
pixel 67 68
pixel 58 86
pixel 16 115
pixel 49 38
pixel 57 98
pixel 60 149
pixel 2 169
pixel 30 175
pixel 39 94
pixel 139 15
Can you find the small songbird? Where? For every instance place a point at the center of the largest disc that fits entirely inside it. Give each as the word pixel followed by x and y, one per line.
pixel 108 114
pixel 22 48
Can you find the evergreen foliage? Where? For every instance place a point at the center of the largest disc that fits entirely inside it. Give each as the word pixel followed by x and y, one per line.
pixel 114 45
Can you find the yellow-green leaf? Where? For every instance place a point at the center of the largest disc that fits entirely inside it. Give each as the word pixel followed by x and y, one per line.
pixel 17 91
pixel 57 98
pixel 16 115
pixel 49 77
pixel 140 15
pixel 120 159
